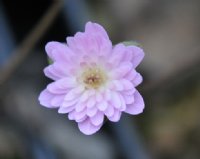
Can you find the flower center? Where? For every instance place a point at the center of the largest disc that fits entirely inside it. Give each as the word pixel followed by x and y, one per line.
pixel 93 77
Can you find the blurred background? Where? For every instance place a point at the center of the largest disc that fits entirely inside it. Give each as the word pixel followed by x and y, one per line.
pixel 169 33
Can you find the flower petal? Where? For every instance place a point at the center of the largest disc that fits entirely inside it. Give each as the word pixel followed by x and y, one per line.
pixel 80 116
pixel 62 86
pixel 92 111
pixel 85 96
pixel 50 74
pixel 81 119
pixel 74 93
pixel 116 116
pixel 57 100
pixel 56 90
pixel 123 104
pixel 64 110
pixel 109 111
pixel 99 97
pixel 91 102
pixel 102 106
pixel 97 119
pixel 94 28
pixel 137 80
pixel 98 38
pixel 58 51
pixel 127 85
pixel 93 41
pixel 45 98
pixel 56 71
pixel 107 94
pixel 117 85
pixel 78 43
pixel 138 55
pixel 131 75
pixel 138 105
pixel 71 115
pixel 121 70
pixel 80 106
pixel 115 100
pixel 128 99
pixel 129 92
pixel 118 53
pixel 69 103
pixel 87 127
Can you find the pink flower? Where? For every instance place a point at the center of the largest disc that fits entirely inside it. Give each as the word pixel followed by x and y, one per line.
pixel 93 80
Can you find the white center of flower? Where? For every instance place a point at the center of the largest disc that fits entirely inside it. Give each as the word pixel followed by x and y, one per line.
pixel 93 77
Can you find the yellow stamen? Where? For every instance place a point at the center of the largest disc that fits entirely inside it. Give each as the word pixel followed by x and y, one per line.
pixel 93 77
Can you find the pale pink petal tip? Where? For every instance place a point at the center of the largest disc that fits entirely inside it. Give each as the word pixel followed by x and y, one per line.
pixel 87 127
pixel 137 107
pixel 95 28
pixel 45 98
pixel 138 55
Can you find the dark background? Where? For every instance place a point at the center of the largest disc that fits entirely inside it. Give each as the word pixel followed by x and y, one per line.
pixel 169 33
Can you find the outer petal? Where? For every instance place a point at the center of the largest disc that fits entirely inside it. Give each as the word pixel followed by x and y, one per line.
pixel 127 85
pixel 129 92
pixel 128 99
pixel 117 85
pixel 71 115
pixel 122 53
pixel 94 28
pixel 91 102
pixel 85 96
pixel 107 94
pixel 118 54
pixel 93 41
pixel 87 127
pixel 45 99
pixel 79 43
pixel 115 100
pixel 57 71
pixel 123 103
pixel 102 106
pixel 121 70
pixel 131 75
pixel 80 106
pixel 74 93
pixel 58 51
pixel 137 80
pixel 57 100
pixel 50 73
pixel 92 111
pixel 138 55
pixel 109 111
pixel 116 116
pixel 62 86
pixel 69 103
pixel 97 119
pixel 98 96
pixel 138 105
pixel 64 110
pixel 80 116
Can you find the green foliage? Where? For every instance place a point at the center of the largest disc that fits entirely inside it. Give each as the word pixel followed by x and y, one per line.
pixel 129 43
pixel 49 61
